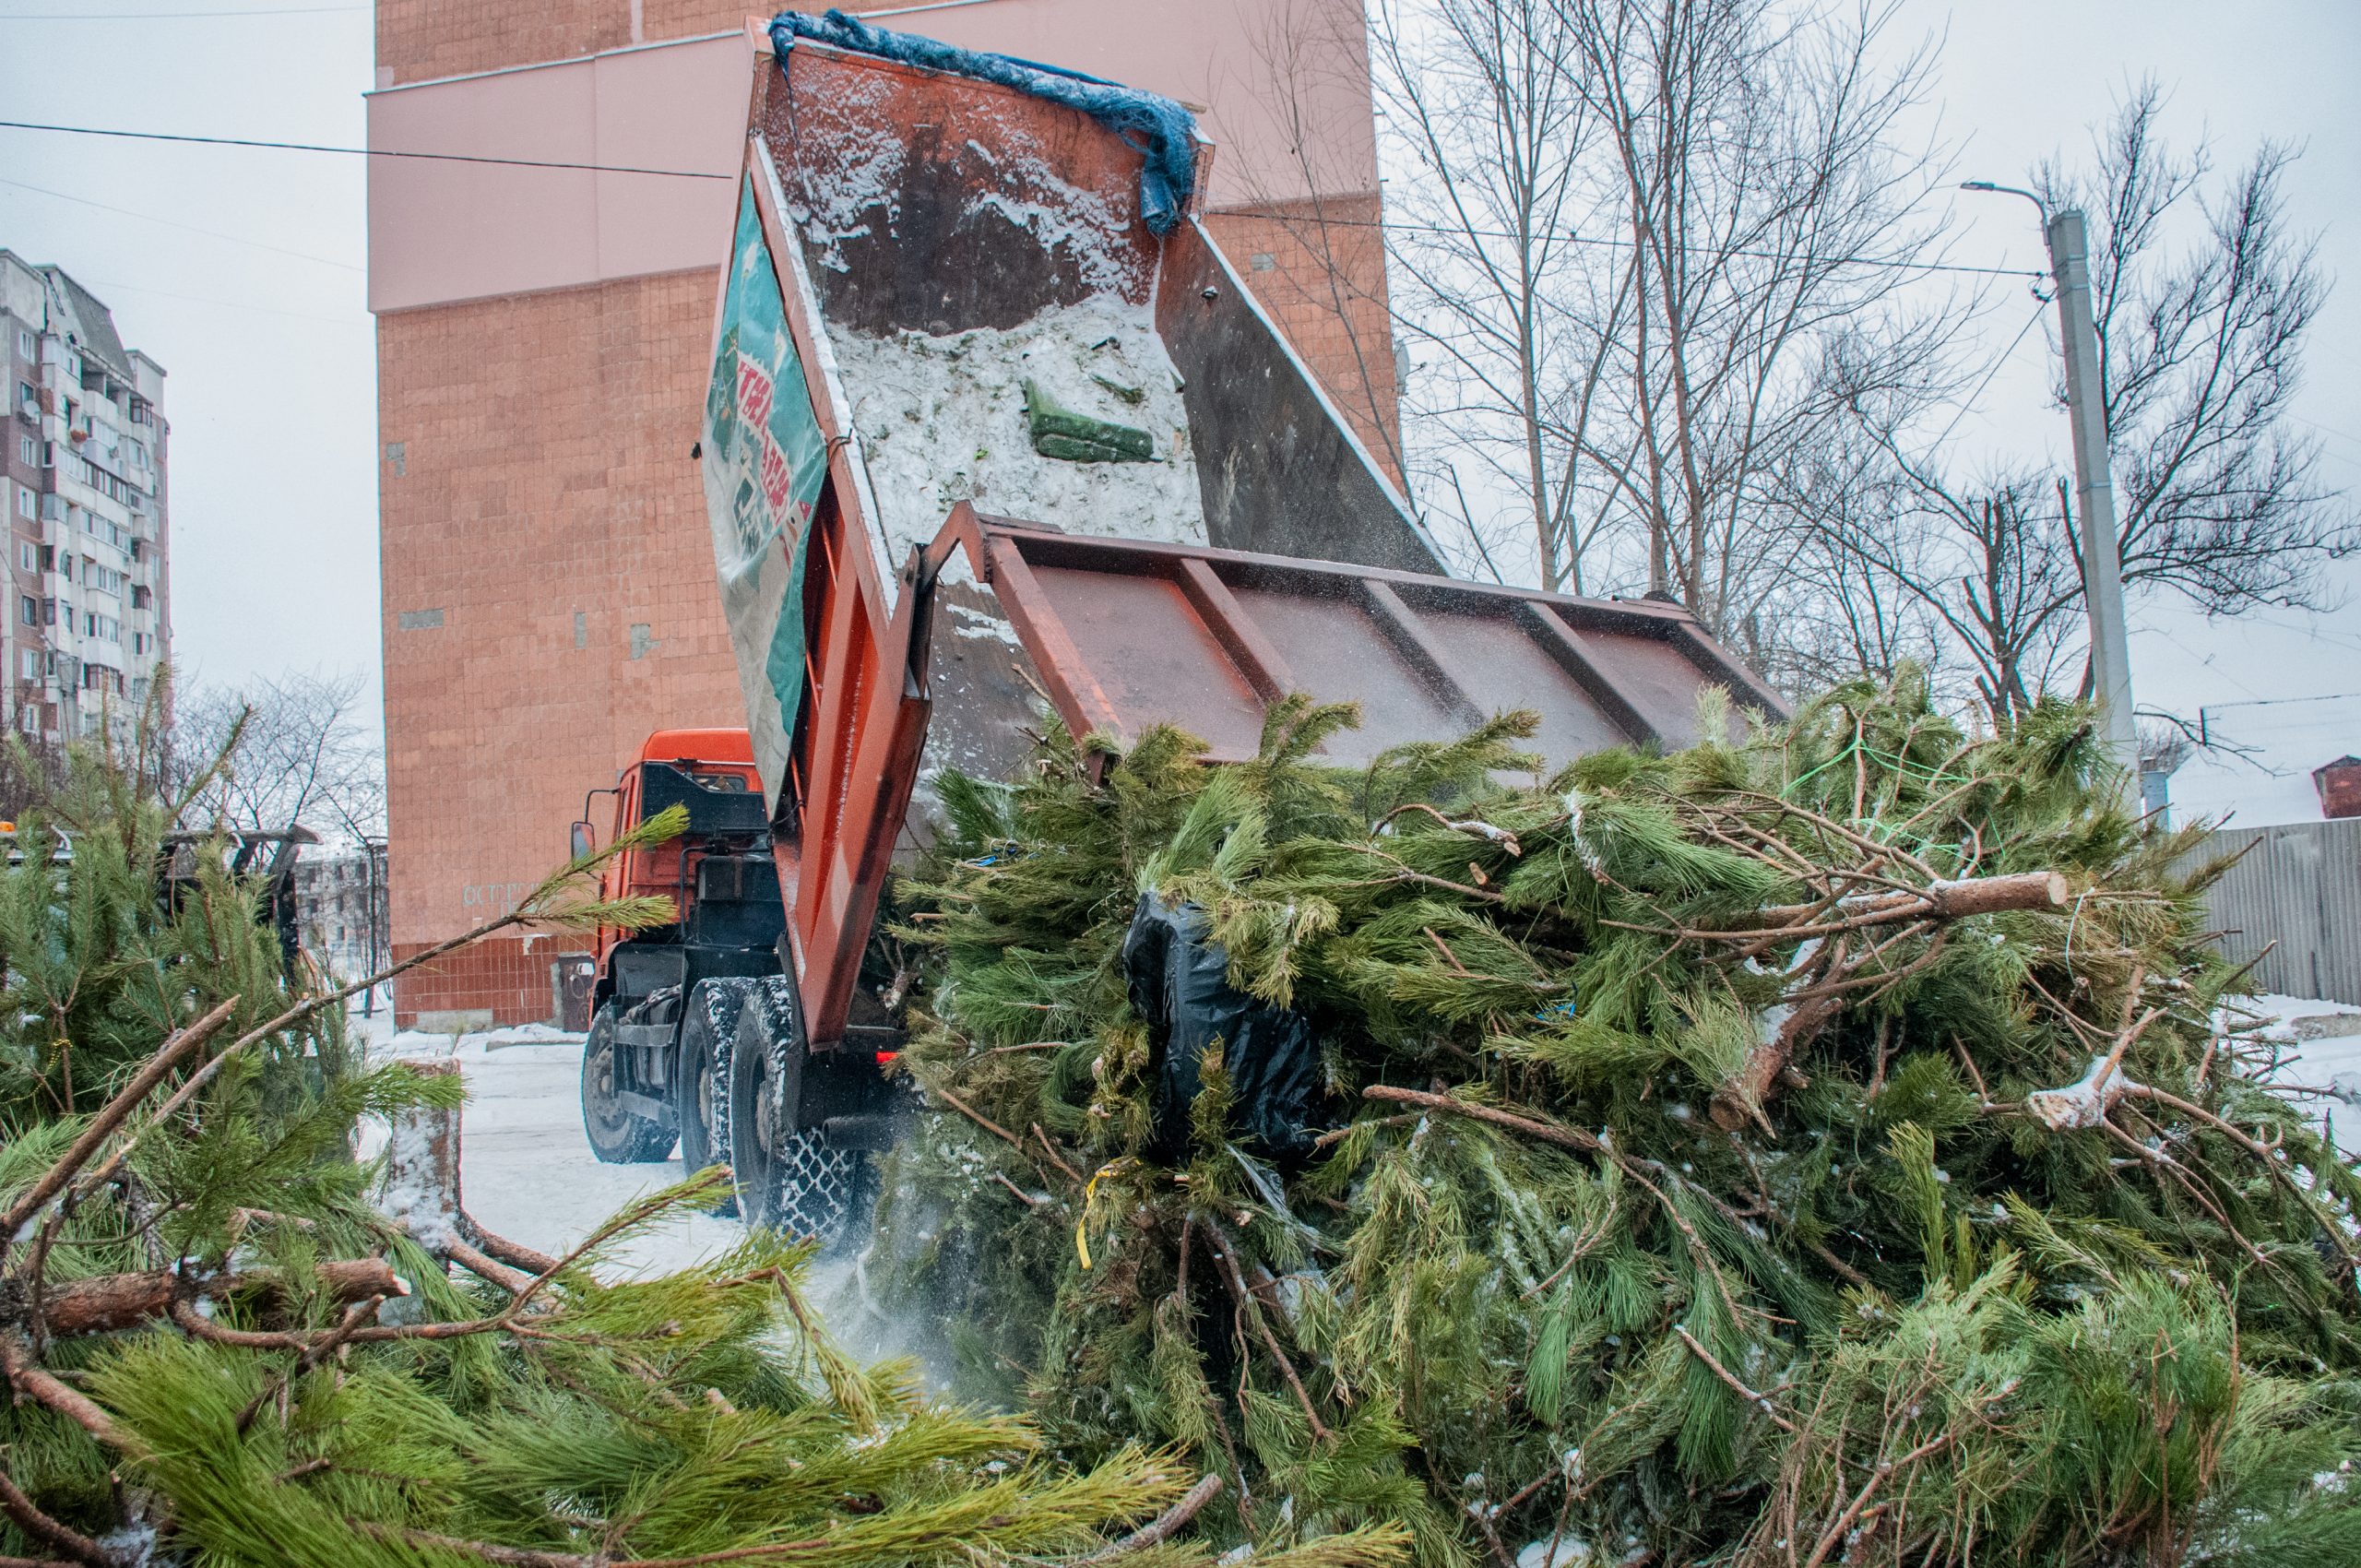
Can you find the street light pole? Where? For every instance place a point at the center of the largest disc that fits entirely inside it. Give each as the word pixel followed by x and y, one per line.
pixel 2069 266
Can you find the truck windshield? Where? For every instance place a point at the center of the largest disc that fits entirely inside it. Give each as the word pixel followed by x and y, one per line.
pixel 717 803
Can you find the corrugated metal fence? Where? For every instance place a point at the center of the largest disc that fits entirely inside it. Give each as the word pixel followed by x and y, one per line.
pixel 2299 887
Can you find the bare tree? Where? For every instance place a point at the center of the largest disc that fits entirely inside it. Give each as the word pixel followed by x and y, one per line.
pixel 2219 498
pixel 298 751
pixel 1647 246
pixel 1489 125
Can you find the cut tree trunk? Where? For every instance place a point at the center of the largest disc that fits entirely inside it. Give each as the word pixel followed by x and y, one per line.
pixel 113 1302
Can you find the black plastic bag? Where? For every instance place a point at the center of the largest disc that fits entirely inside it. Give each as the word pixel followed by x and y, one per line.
pixel 1180 983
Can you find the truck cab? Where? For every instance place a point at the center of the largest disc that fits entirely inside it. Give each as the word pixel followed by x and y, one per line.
pixel 695 1035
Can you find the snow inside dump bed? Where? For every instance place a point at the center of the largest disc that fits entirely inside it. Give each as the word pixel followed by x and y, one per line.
pixel 942 419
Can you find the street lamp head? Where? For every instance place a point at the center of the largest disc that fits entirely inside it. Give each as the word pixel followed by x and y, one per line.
pixel 1995 187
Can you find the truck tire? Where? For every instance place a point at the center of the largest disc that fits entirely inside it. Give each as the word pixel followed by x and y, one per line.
pixel 618 1137
pixel 794 1182
pixel 709 1037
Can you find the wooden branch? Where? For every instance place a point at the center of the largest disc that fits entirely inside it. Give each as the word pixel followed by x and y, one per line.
pixel 1225 1250
pixel 1157 1530
pixel 1740 1100
pixel 103 1124
pixel 1939 900
pixel 29 1518
pixel 1885 1468
pixel 1055 1158
pixel 1019 1194
pixel 477 1264
pixel 114 1301
pixel 1760 1401
pixel 2263 1154
pixel 39 1385
pixel 515 1254
pixel 355 1316
pixel 482 1551
pixel 1547 1132
pixel 978 1117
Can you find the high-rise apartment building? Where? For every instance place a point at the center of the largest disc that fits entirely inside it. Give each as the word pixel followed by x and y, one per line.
pixel 543 332
pixel 82 480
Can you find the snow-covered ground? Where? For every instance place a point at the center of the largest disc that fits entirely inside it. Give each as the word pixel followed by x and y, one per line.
pixel 2325 1038
pixel 527 1171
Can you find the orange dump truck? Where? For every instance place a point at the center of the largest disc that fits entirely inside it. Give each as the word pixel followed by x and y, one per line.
pixel 963 287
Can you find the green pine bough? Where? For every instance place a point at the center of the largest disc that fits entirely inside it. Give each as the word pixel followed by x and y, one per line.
pixel 1824 1146
pixel 218 1351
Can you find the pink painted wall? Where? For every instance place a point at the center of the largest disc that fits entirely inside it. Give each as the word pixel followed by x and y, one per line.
pixel 1281 85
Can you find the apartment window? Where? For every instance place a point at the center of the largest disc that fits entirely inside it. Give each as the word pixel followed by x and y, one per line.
pixel 24 343
pixel 142 410
pixel 49 613
pixel 29 450
pixel 28 556
pixel 25 395
pixel 28 505
pixel 29 662
pixel 26 610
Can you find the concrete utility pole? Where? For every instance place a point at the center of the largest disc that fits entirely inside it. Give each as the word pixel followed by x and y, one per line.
pixel 2070 263
pixel 2070 268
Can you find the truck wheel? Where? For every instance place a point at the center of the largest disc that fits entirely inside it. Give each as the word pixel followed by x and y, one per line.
pixel 823 1189
pixel 708 1034
pixel 793 1181
pixel 618 1137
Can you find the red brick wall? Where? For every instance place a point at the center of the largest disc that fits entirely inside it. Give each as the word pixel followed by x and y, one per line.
pixel 505 976
pixel 422 40
pixel 544 475
pixel 1325 283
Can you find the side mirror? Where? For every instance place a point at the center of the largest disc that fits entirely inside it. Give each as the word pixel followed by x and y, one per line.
pixel 581 842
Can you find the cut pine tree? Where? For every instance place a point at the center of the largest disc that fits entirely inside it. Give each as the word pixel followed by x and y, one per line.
pixel 1811 1148
pixel 219 1351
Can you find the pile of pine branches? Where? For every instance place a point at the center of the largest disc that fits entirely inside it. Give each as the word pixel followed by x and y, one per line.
pixel 1815 1148
pixel 217 1349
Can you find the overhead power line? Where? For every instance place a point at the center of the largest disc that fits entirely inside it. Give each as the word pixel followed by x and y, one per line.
pixel 187 228
pixel 171 16
pixel 1894 262
pixel 360 151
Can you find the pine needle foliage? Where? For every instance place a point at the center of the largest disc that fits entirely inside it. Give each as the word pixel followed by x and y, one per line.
pixel 95 968
pixel 580 1418
pixel 1699 1183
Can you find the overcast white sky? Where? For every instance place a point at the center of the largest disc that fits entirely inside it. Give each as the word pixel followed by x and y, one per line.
pixel 240 270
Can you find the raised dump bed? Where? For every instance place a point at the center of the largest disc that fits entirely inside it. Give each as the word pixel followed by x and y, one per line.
pixel 967 288
pixel 963 286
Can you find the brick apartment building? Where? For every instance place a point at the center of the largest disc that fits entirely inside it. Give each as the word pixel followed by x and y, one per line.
pixel 543 344
pixel 82 485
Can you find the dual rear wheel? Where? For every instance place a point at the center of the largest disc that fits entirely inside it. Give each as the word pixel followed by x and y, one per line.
pixel 738 1091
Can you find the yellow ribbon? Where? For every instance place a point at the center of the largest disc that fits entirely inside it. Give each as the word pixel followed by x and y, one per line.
pixel 1089 1195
